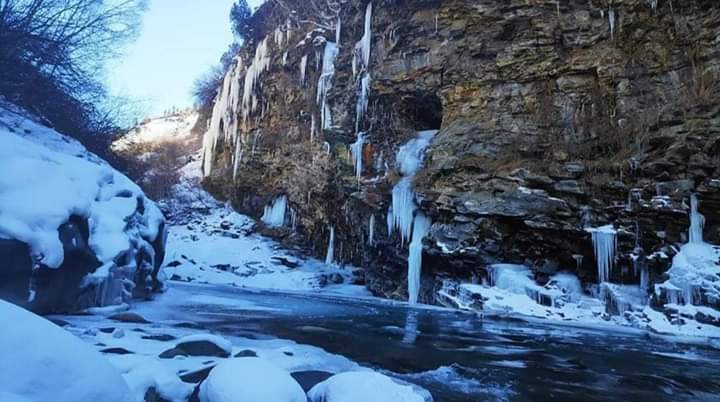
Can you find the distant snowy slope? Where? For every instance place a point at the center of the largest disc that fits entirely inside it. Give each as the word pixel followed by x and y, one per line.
pixel 72 213
pixel 172 128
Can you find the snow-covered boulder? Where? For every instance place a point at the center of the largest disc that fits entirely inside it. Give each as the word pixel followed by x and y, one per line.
pixel 41 362
pixel 250 379
pixel 199 345
pixel 78 232
pixel 363 386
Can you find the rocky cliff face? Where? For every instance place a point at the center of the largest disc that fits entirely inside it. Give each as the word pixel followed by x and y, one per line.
pixel 553 117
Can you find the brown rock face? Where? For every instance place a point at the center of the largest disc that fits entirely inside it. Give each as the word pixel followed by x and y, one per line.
pixel 552 115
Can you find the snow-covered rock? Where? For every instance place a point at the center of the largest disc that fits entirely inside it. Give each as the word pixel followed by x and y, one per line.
pixel 363 386
pixel 250 379
pixel 79 232
pixel 41 362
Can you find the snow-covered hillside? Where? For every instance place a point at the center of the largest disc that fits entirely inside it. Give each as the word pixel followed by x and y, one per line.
pixel 173 128
pixel 74 232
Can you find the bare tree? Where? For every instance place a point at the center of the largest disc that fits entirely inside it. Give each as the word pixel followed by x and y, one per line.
pixel 59 48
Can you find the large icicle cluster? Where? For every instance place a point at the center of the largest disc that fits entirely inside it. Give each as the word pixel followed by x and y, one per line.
pixel 223 124
pixel 260 63
pixel 274 214
pixel 401 215
pixel 230 103
pixel 605 245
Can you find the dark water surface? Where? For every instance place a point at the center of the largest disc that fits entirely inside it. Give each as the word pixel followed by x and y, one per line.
pixel 462 357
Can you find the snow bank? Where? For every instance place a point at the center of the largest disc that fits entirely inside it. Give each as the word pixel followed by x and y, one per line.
pixel 250 379
pixel 362 386
pixel 53 178
pixel 41 362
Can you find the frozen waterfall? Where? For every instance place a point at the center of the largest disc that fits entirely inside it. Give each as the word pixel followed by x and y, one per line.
pixel 421 227
pixel 604 241
pixel 697 222
pixel 402 216
pixel 409 160
pixel 330 256
pixel 274 215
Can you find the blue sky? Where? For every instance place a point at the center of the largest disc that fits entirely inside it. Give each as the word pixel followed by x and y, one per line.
pixel 180 40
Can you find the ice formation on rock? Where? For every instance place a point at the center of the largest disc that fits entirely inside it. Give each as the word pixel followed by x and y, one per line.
pixel 356 151
pixel 697 222
pixel 401 214
pixel 223 123
pixel 325 83
pixel 303 69
pixel 371 230
pixel 605 245
pixel 330 256
pixel 409 160
pixel 421 227
pixel 274 214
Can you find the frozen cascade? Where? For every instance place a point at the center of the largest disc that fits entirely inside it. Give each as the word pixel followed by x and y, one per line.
pixel 371 230
pixel 421 227
pixel 697 222
pixel 409 160
pixel 356 151
pixel 274 215
pixel 605 244
pixel 325 84
pixel 330 256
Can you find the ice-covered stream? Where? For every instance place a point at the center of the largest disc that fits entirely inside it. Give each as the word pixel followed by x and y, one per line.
pixel 456 356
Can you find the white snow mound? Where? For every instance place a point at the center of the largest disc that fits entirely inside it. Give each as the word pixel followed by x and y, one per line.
pixel 250 379
pixel 362 386
pixel 41 362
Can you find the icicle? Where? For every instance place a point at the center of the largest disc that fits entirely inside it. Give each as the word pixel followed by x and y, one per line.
pixel 578 261
pixel 371 230
pixel 325 84
pixel 303 69
pixel 697 222
pixel 238 159
pixel 274 215
pixel 362 102
pixel 361 53
pixel 356 152
pixel 285 59
pixel 313 128
pixel 605 244
pixel 611 18
pixel 421 227
pixel 330 256
pixel 337 31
